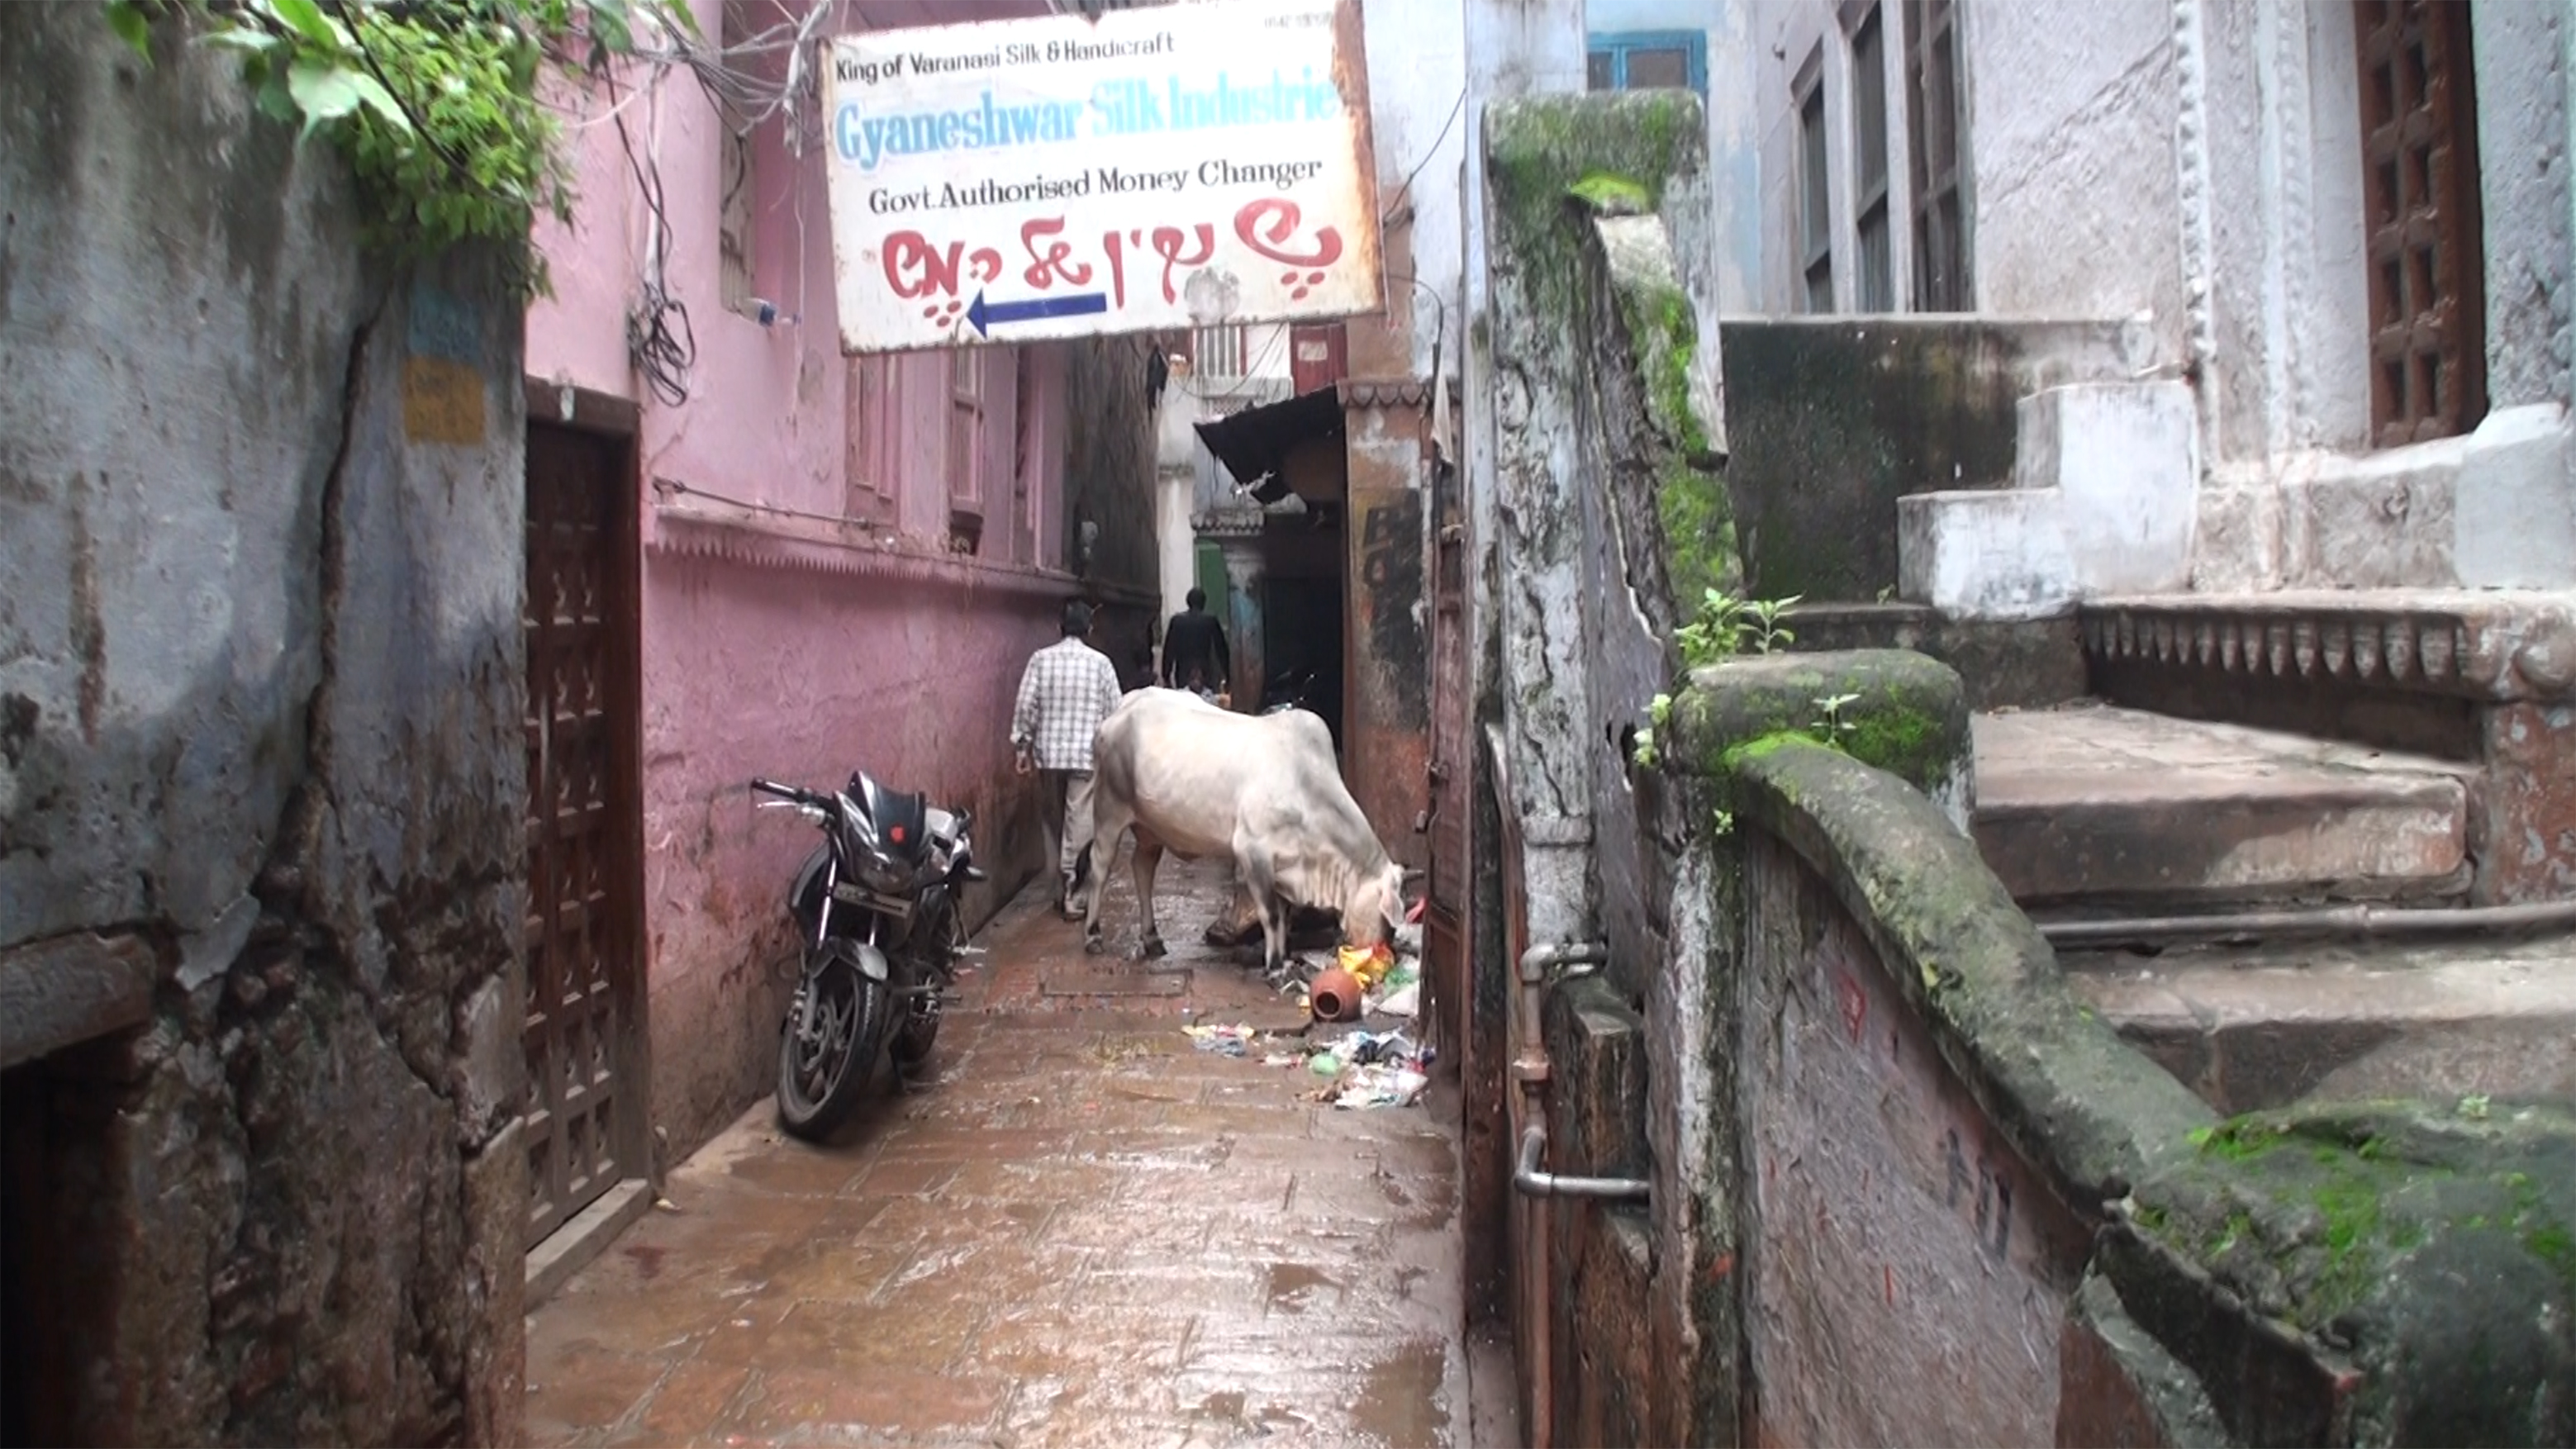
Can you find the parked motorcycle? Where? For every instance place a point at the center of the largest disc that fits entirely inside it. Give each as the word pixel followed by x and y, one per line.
pixel 875 908
pixel 1291 689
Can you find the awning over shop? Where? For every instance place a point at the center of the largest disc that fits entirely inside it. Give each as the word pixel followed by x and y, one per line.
pixel 1252 443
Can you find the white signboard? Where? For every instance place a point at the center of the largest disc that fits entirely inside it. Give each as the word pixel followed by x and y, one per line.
pixel 1167 167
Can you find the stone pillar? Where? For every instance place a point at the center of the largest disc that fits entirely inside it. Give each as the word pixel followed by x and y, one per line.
pixel 1244 568
pixel 1386 648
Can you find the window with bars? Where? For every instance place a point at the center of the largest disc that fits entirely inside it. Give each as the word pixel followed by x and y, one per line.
pixel 1222 351
pixel 1640 60
pixel 1935 121
pixel 1815 211
pixel 868 419
pixel 2425 247
pixel 1876 264
pixel 736 178
pixel 1026 440
pixel 966 429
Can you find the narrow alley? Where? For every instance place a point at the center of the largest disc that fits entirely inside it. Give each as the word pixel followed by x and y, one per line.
pixel 1082 1230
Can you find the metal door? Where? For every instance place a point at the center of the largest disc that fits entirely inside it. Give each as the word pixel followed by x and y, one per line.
pixel 585 874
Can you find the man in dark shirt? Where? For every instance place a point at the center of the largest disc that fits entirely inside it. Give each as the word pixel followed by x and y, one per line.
pixel 1194 653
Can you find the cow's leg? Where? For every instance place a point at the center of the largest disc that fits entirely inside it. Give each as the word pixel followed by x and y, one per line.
pixel 1253 862
pixel 1241 917
pixel 1110 819
pixel 1148 858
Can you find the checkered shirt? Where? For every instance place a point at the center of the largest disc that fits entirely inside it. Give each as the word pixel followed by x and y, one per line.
pixel 1067 690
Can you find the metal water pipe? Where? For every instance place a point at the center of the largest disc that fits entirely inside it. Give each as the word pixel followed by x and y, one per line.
pixel 2361 922
pixel 1530 1069
pixel 1530 1180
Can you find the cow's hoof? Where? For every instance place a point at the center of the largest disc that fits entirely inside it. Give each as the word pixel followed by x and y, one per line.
pixel 1093 946
pixel 1149 948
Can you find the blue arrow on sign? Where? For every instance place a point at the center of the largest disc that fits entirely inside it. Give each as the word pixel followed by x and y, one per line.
pixel 988 315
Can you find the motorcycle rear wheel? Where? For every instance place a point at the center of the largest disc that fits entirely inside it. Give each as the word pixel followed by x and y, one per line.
pixel 819 1081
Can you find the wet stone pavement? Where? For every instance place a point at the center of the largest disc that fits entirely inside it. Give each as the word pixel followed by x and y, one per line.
pixel 1080 1230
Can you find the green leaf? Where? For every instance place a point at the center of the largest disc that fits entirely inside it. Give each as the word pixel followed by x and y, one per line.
pixel 307 19
pixel 373 95
pixel 678 17
pixel 274 102
pixel 128 21
pixel 609 23
pixel 243 38
pixel 323 91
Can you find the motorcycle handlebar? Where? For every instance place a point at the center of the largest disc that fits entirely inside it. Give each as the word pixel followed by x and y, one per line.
pixel 785 792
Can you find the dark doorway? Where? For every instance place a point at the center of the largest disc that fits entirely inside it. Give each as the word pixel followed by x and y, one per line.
pixel 585 944
pixel 1301 621
pixel 34 1397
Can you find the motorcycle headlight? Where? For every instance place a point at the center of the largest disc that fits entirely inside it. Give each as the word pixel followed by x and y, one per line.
pixel 885 875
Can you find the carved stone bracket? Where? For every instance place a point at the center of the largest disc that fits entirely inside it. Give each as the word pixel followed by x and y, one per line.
pixel 2483 646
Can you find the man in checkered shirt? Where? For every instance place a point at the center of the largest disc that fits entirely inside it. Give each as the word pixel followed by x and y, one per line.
pixel 1067 690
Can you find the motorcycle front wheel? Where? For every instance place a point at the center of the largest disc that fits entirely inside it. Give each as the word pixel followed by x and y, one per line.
pixel 918 1032
pixel 822 1070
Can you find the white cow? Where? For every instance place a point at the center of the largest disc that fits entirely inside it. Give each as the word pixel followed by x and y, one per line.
pixel 1197 781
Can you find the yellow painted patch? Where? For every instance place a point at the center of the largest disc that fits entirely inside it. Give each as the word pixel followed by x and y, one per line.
pixel 442 402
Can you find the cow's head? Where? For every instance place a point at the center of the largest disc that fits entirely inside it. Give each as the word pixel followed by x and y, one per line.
pixel 1374 907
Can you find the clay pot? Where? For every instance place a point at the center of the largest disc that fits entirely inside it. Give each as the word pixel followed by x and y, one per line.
pixel 1335 996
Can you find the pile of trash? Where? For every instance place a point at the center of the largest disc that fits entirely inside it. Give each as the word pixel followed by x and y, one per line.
pixel 1361 1069
pixel 1372 1069
pixel 1361 981
pixel 1225 1041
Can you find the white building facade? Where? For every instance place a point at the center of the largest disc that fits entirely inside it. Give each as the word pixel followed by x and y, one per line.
pixel 2346 229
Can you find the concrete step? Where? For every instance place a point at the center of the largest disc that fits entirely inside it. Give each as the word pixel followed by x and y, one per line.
pixel 2252 1027
pixel 2109 807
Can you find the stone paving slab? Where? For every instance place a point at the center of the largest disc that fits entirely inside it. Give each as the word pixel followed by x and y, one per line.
pixel 2112 803
pixel 2256 1026
pixel 1080 1231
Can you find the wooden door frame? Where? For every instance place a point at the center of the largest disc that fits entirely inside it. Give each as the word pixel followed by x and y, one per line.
pixel 619 421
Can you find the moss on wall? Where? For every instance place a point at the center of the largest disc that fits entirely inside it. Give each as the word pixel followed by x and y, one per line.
pixel 2430 1247
pixel 1906 714
pixel 1559 163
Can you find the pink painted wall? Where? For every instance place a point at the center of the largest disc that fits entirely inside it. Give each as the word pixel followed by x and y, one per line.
pixel 779 645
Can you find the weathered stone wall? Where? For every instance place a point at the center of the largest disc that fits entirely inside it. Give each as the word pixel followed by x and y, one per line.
pixel 1609 432
pixel 260 543
pixel 1954 1174
pixel 1831 420
pixel 1386 635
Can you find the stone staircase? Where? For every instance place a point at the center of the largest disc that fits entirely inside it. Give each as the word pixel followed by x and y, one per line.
pixel 2273 840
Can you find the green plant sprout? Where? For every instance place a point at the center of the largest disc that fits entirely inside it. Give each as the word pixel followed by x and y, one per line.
pixel 1830 726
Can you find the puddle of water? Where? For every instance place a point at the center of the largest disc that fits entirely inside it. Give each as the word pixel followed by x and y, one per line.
pixel 1403 1401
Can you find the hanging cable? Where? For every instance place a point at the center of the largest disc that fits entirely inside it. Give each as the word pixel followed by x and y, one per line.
pixel 659 341
pixel 1405 189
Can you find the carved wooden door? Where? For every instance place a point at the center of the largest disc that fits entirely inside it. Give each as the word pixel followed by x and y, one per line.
pixel 585 875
